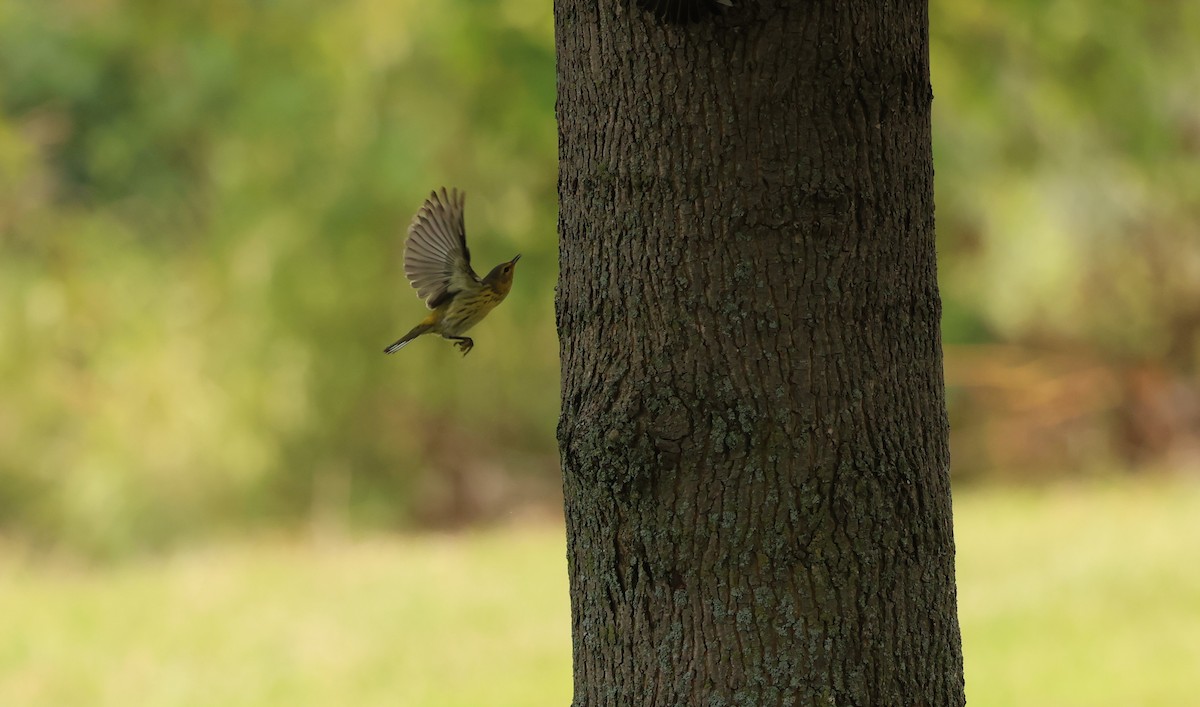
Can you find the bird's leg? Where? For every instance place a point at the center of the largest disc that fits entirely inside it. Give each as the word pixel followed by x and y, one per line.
pixel 463 343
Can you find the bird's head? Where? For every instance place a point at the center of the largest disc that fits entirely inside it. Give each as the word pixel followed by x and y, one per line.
pixel 500 278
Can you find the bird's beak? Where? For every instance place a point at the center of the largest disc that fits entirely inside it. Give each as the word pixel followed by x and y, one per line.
pixel 514 260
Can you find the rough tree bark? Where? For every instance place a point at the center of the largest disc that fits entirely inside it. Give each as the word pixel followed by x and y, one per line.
pixel 753 430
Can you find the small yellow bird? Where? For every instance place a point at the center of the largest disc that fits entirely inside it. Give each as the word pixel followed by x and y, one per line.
pixel 438 265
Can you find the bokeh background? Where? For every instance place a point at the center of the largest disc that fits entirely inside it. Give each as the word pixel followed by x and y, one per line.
pixel 215 489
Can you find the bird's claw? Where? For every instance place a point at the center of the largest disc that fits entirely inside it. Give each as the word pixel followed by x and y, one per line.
pixel 464 345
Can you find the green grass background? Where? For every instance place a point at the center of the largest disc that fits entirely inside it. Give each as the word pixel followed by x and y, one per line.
pixel 1082 595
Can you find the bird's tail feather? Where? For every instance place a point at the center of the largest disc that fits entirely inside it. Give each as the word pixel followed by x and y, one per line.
pixel 400 343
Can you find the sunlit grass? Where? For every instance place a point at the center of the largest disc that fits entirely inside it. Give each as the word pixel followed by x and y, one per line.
pixel 472 620
pixel 1073 596
pixel 1081 596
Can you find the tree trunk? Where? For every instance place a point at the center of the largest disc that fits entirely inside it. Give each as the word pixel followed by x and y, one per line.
pixel 753 430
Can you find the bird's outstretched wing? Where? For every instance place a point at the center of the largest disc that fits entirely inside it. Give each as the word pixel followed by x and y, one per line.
pixel 436 259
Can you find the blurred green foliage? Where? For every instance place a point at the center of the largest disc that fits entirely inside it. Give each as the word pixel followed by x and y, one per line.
pixel 202 206
pixel 1067 148
pixel 201 218
pixel 1066 139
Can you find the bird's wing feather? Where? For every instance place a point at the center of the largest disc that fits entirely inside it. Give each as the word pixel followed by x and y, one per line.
pixel 436 259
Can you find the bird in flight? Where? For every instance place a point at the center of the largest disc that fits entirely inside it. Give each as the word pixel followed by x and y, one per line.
pixel 438 265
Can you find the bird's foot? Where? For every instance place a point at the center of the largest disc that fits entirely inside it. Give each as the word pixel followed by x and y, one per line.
pixel 464 344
